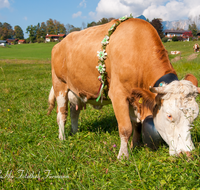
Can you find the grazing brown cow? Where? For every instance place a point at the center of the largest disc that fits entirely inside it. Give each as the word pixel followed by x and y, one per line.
pixel 136 61
pixel 196 47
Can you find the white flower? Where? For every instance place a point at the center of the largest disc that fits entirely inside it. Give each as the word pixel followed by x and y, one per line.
pixel 101 54
pixel 112 27
pixel 101 68
pixel 105 41
pixel 123 18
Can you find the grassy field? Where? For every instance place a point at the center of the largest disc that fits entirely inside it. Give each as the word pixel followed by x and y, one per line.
pixel 33 51
pixel 32 156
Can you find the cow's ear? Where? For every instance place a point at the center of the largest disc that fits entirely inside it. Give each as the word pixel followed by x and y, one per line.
pixel 159 100
pixel 141 97
pixel 192 79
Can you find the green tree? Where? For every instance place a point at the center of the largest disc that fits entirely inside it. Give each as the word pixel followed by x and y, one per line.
pixel 91 24
pixel 157 23
pixel 18 32
pixel 50 27
pixel 165 39
pixel 174 38
pixel 103 21
pixel 6 31
pixel 71 28
pixel 32 30
pixel 148 20
pixel 55 27
pixel 43 30
pixel 75 29
pixel 62 29
pixel 193 27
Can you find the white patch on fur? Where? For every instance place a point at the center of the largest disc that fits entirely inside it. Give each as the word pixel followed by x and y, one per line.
pixel 61 101
pixel 73 98
pixel 61 125
pixel 51 95
pixel 134 115
pixel 123 148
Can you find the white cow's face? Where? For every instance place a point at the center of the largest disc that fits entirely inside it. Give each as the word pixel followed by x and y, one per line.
pixel 176 112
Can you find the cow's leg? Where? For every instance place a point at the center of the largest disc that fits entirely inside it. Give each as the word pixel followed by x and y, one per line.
pixel 121 109
pixel 62 109
pixel 60 90
pixel 136 140
pixel 74 115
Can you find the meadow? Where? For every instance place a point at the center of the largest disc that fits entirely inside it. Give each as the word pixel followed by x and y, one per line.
pixel 32 156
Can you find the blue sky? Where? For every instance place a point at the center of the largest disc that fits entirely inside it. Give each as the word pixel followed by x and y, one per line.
pixel 75 12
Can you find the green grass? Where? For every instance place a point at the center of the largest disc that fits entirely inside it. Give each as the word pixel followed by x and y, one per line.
pixel 33 51
pixel 186 48
pixel 29 141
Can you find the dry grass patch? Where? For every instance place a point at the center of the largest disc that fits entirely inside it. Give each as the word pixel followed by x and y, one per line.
pixel 192 56
pixel 18 61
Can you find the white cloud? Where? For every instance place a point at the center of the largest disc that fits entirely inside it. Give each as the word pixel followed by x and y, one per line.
pixel 78 14
pixel 164 9
pixel 83 4
pixel 4 4
pixel 173 10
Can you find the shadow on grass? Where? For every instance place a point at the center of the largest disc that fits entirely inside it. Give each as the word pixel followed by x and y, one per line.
pixel 105 124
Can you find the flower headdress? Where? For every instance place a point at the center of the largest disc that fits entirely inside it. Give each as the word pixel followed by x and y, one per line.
pixel 102 55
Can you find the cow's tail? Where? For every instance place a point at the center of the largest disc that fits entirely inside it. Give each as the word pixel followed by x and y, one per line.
pixel 52 100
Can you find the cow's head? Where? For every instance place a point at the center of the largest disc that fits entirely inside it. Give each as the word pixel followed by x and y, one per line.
pixel 175 110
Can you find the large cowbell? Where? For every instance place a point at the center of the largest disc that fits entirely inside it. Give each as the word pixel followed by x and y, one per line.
pixel 150 135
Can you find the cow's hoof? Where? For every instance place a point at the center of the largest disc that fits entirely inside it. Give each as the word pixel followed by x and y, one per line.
pixel 122 155
pixel 61 137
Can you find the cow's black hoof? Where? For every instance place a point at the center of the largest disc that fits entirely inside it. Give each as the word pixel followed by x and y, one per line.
pixel 150 135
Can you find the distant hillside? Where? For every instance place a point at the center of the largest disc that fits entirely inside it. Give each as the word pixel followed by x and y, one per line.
pixel 181 24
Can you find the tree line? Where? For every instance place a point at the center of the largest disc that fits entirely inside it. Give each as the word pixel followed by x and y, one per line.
pixel 38 32
pixel 6 31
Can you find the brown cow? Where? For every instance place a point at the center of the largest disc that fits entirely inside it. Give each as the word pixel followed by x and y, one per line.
pixel 136 61
pixel 196 47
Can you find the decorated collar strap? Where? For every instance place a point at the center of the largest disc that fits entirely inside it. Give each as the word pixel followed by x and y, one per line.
pixel 102 55
pixel 166 79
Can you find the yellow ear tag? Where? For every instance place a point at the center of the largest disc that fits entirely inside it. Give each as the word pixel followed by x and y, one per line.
pixel 140 100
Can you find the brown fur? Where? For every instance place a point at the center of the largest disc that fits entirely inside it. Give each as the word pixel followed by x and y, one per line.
pixel 148 102
pixel 136 60
pixel 192 79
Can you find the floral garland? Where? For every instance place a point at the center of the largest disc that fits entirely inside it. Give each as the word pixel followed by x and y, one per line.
pixel 102 55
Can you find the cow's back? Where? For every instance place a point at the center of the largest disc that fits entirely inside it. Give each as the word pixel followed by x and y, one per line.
pixel 138 56
pixel 135 54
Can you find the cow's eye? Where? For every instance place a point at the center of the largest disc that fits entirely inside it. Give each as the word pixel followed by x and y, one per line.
pixel 169 116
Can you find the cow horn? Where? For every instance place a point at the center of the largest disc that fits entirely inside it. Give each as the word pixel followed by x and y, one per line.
pixel 159 90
